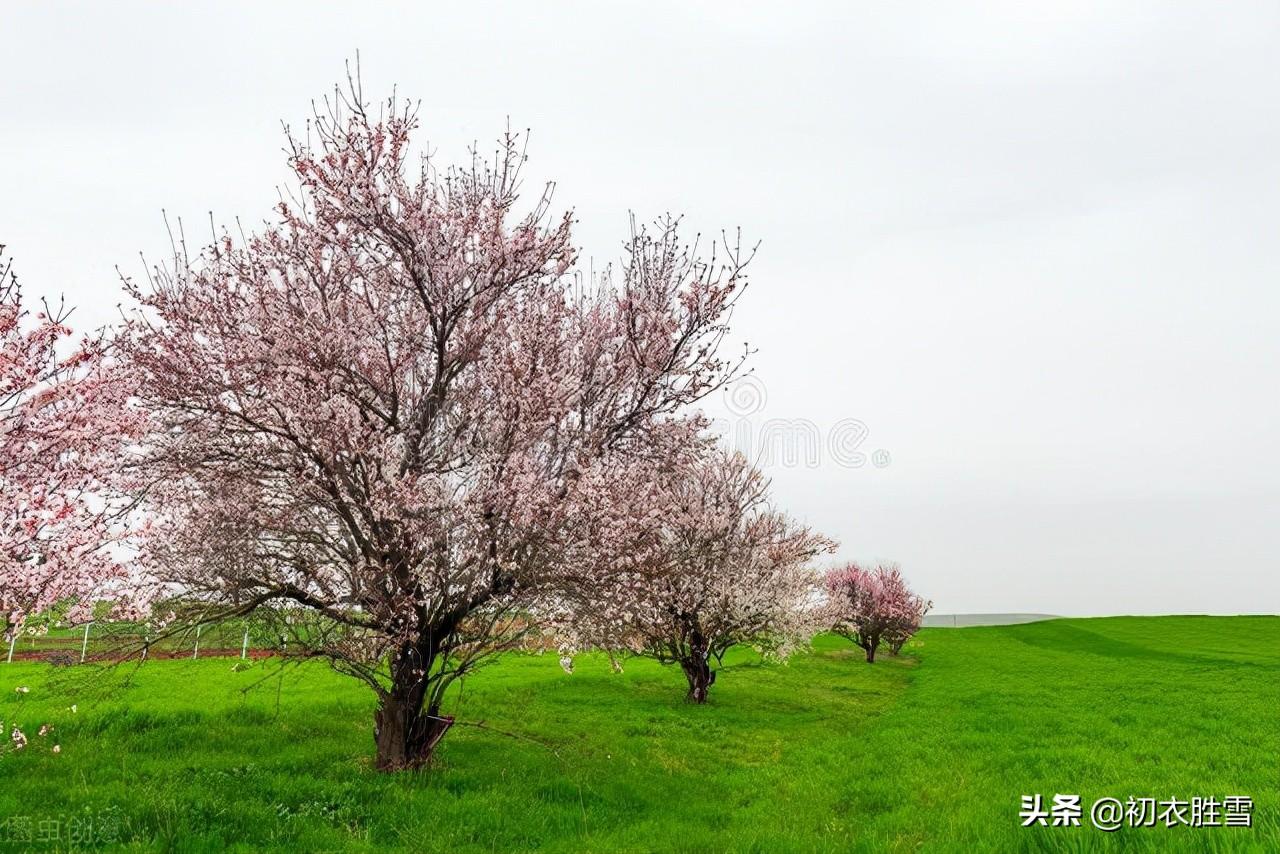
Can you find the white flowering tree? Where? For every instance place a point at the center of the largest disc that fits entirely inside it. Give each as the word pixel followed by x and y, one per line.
pixel 699 563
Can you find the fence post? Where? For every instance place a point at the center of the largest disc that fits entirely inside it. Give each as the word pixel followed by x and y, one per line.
pixel 195 653
pixel 84 645
pixel 244 647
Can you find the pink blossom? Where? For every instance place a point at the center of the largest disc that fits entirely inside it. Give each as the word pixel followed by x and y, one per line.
pixel 870 606
pixel 379 419
pixel 60 421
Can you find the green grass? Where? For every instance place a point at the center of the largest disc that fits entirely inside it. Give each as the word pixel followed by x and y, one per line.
pixel 930 751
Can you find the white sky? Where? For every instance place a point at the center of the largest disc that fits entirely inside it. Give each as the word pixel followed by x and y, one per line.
pixel 1032 246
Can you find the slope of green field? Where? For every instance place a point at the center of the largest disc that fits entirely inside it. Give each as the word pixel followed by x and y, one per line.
pixel 930 751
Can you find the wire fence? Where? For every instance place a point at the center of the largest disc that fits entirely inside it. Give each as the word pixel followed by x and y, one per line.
pixel 111 641
pixel 103 641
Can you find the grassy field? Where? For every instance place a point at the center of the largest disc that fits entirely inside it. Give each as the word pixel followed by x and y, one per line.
pixel 930 751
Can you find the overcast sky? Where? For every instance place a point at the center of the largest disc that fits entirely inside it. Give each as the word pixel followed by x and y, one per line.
pixel 1033 247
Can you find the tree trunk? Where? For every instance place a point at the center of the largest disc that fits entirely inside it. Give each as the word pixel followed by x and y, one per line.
pixel 406 734
pixel 701 677
pixel 871 644
pixel 406 726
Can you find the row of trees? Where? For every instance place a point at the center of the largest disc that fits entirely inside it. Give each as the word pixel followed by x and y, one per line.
pixel 711 565
pixel 395 417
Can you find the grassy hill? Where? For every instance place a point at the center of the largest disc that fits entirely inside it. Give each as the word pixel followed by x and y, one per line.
pixel 930 751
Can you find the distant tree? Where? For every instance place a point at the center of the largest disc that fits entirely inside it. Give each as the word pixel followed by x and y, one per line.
pixel 702 563
pixel 57 414
pixel 873 606
pixel 380 415
pixel 908 616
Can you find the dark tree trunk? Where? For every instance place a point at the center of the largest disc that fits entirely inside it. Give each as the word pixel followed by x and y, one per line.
pixel 406 729
pixel 407 725
pixel 871 644
pixel 701 677
pixel 406 737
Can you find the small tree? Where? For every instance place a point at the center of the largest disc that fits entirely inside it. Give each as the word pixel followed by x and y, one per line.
pixel 708 565
pixel 907 617
pixel 57 413
pixel 873 606
pixel 380 414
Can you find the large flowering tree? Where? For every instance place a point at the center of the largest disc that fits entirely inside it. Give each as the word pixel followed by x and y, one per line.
pixel 379 415
pixel 870 606
pixel 59 412
pixel 707 564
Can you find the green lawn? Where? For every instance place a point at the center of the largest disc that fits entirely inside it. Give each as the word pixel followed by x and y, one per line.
pixel 930 751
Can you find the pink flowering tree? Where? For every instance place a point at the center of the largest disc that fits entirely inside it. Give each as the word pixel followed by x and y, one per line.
pixel 377 417
pixel 707 564
pixel 873 606
pixel 907 614
pixel 59 415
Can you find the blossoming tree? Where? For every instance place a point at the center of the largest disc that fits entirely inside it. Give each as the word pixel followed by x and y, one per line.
pixel 873 606
pixel 57 413
pixel 709 565
pixel 379 414
pixel 908 616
